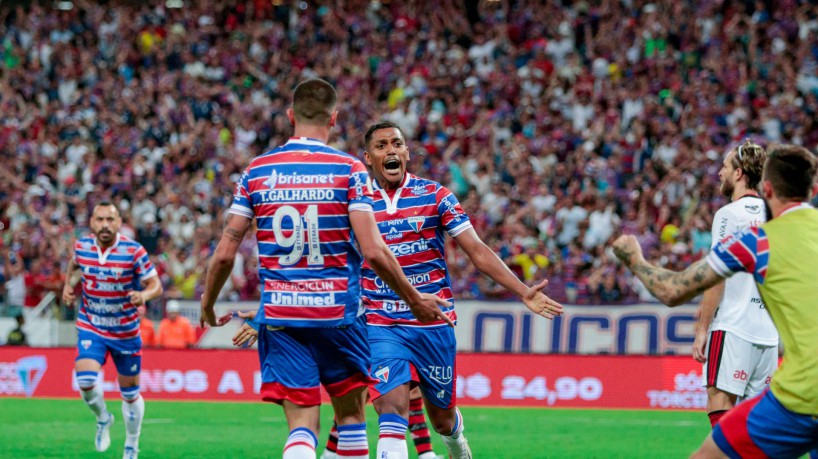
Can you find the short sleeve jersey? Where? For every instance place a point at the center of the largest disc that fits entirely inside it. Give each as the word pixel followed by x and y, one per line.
pixel 300 195
pixel 413 220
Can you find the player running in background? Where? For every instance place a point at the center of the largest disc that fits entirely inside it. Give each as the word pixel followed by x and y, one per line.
pixel 414 215
pixel 117 278
pixel 311 204
pixel 782 421
pixel 742 351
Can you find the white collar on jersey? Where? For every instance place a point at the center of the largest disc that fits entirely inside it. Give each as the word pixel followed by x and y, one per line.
pixel 102 256
pixel 391 206
pixel 305 141
pixel 803 205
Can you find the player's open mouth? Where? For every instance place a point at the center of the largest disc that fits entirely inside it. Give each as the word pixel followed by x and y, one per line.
pixel 392 165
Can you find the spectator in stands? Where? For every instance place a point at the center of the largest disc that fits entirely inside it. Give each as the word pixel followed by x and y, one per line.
pixel 146 328
pixel 535 101
pixel 175 330
pixel 15 285
pixel 17 337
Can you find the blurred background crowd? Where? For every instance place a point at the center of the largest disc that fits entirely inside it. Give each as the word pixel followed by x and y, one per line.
pixel 558 125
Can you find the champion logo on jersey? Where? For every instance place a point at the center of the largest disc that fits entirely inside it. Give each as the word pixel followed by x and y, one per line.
pixel 134 367
pixel 416 222
pixel 383 374
pixel 393 234
pixel 86 343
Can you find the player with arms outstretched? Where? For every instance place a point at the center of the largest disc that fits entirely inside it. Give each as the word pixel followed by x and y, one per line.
pixel 781 422
pixel 742 350
pixel 117 278
pixel 311 204
pixel 414 215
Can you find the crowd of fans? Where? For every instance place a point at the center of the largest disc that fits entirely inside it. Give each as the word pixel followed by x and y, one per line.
pixel 557 126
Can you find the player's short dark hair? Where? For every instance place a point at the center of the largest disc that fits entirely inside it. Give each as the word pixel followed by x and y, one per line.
pixel 314 101
pixel 107 203
pixel 791 171
pixel 750 159
pixel 377 127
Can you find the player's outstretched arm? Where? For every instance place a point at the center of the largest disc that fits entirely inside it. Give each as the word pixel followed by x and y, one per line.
pixel 424 306
pixel 220 266
pixel 488 263
pixel 670 287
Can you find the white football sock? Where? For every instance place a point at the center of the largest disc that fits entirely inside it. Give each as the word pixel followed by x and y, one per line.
pixel 133 413
pixel 392 437
pixel 300 444
pixel 352 441
pixel 95 400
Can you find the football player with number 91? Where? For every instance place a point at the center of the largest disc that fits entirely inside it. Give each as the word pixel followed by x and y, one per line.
pixel 313 208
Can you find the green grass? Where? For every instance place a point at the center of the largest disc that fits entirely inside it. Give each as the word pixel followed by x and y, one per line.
pixel 56 428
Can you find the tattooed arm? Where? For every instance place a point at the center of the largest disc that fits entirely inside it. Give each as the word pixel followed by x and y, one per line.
pixel 221 264
pixel 670 287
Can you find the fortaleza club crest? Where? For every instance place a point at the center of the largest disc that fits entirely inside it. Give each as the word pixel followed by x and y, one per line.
pixel 416 223
pixel 383 374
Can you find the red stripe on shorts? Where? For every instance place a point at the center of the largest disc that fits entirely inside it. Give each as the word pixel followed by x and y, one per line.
pixel 714 356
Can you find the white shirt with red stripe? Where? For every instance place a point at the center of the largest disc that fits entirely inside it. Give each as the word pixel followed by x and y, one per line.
pixel 741 311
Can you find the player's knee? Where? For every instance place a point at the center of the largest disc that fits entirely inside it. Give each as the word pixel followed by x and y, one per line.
pixel 86 380
pixel 129 394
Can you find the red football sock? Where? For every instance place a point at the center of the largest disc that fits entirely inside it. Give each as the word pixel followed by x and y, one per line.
pixel 332 441
pixel 715 416
pixel 417 426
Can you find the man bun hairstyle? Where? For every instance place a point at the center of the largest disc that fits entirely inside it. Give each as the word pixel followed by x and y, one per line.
pixel 750 159
pixel 791 170
pixel 314 101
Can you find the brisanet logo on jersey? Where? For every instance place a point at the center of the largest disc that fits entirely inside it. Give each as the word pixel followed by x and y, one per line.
pixel 23 376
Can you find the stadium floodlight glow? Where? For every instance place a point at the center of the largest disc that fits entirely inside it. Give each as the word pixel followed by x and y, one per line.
pixel 63 6
pixel 174 3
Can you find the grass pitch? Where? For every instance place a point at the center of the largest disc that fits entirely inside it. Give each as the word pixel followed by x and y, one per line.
pixel 59 428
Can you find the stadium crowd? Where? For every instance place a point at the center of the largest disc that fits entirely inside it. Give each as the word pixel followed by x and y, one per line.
pixel 557 126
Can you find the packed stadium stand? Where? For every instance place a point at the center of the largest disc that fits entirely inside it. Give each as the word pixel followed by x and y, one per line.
pixel 557 124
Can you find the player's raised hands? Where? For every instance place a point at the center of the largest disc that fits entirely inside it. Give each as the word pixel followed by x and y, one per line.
pixel 539 303
pixel 428 309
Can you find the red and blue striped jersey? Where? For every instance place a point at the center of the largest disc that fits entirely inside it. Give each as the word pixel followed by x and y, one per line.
pixel 301 194
pixel 107 278
pixel 412 220
pixel 747 251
